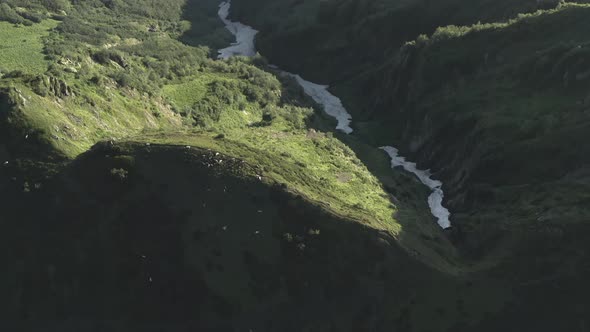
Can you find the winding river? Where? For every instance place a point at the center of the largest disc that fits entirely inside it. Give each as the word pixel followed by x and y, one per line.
pixel 244 45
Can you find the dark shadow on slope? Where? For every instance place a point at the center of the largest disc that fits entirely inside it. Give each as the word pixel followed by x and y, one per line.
pixel 205 26
pixel 140 238
pixel 332 41
pixel 148 238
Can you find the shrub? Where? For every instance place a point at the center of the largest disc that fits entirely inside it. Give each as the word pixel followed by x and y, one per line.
pixel 313 232
pixel 119 173
pixel 97 80
pixel 14 74
pixel 288 237
pixel 56 5
pixel 8 14
pixel 32 16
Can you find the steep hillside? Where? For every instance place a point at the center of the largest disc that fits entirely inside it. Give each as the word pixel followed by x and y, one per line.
pixel 147 186
pixel 498 110
pixel 330 41
pixel 501 110
pixel 144 237
pixel 126 153
pixel 135 79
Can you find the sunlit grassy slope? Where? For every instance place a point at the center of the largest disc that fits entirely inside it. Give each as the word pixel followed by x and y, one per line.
pixel 277 137
pixel 135 79
pixel 73 125
pixel 22 47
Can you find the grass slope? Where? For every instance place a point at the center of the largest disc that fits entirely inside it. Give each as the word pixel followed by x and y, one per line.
pixel 22 47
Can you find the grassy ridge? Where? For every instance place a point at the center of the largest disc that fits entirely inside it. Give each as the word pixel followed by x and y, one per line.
pixel 174 233
pixel 352 192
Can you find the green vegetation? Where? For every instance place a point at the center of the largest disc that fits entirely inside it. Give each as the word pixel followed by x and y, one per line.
pixel 114 81
pixel 173 232
pixel 307 166
pixel 493 97
pixel 515 90
pixel 80 115
pixel 338 40
pixel 202 25
pixel 22 47
pixel 148 186
pixel 186 94
pixel 520 110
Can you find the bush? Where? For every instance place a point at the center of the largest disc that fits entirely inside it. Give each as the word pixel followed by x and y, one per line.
pixel 111 4
pixel 288 237
pixel 124 79
pixel 10 15
pixel 209 107
pixel 119 173
pixel 14 74
pixel 104 57
pixel 56 5
pixel 33 17
pixel 97 80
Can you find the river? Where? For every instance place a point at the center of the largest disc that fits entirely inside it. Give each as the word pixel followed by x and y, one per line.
pixel 244 45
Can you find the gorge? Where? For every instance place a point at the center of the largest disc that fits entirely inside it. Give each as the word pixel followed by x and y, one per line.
pixel 183 165
pixel 332 105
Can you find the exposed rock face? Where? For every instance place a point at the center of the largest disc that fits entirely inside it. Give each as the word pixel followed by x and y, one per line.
pixel 52 86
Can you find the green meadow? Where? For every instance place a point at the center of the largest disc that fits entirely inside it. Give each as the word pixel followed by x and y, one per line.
pixel 22 47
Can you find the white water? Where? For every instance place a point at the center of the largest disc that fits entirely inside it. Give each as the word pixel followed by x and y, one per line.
pixel 244 45
pixel 436 198
pixel 332 104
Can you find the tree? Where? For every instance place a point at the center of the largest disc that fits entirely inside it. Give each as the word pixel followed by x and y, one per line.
pixel 56 5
